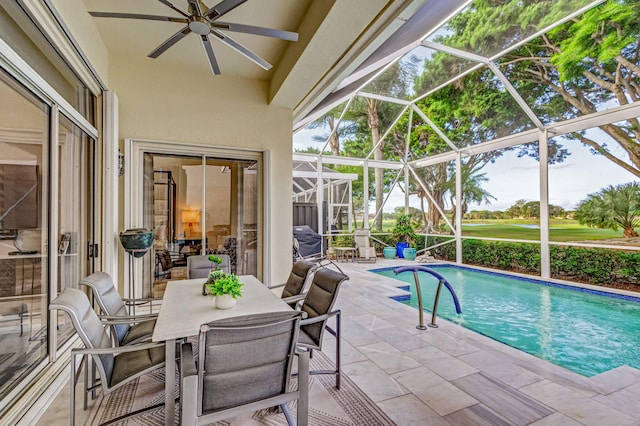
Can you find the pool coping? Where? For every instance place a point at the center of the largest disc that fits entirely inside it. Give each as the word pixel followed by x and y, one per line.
pixel 553 282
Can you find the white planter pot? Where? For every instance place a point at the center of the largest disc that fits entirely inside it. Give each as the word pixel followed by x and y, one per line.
pixel 225 302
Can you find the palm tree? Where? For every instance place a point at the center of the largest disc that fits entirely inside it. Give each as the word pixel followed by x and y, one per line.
pixel 472 191
pixel 612 207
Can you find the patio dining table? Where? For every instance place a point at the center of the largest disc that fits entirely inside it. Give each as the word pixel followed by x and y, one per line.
pixel 184 309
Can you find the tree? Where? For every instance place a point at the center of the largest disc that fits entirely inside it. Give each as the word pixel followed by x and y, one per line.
pixel 570 71
pixel 556 211
pixel 475 109
pixel 516 210
pixel 580 66
pixel 395 82
pixel 612 207
pixel 472 191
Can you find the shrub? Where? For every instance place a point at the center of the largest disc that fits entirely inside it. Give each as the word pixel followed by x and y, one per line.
pixel 584 264
pixel 403 230
pixel 343 241
pixel 596 265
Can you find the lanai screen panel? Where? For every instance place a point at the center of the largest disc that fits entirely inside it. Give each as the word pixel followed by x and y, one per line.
pixel 578 197
pixel 488 27
pixel 318 135
pixel 366 120
pixel 417 72
pixel 583 66
pixel 475 109
pixel 437 68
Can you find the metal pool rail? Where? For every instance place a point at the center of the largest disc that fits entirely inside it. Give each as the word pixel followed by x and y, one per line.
pixel 441 280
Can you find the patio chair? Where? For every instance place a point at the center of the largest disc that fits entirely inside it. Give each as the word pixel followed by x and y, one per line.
pixel 165 262
pixel 200 265
pixel 126 328
pixel 116 366
pixel 320 259
pixel 366 252
pixel 295 288
pixel 318 305
pixel 244 364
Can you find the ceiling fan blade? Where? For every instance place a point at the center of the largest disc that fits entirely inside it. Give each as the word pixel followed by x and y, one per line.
pixel 250 29
pixel 222 8
pixel 195 7
pixel 170 42
pixel 137 16
pixel 208 49
pixel 242 50
pixel 176 8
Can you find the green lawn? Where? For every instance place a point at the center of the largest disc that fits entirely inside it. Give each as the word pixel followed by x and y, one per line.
pixel 567 231
pixel 561 230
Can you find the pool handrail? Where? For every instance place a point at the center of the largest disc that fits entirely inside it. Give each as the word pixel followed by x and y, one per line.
pixel 441 280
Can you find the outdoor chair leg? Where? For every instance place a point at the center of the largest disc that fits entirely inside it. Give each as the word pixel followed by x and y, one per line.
pixel 338 350
pixel 85 392
pixel 303 389
pixel 72 395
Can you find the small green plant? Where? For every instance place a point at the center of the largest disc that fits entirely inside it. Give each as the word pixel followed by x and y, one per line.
pixel 226 284
pixel 403 229
pixel 215 260
pixel 214 275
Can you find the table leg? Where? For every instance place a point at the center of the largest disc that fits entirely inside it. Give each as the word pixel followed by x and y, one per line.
pixel 169 381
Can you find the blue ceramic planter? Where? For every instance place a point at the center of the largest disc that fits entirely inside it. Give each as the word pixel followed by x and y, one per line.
pixel 409 253
pixel 389 252
pixel 136 241
pixel 399 247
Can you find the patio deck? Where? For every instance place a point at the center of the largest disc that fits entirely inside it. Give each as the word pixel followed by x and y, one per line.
pixel 453 376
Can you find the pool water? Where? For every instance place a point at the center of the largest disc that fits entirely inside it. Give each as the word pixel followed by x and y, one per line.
pixel 586 331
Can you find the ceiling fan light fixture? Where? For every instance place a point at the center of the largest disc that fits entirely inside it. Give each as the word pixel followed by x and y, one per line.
pixel 199 25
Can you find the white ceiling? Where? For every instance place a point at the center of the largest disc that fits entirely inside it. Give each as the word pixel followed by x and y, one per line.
pixel 140 37
pixel 335 36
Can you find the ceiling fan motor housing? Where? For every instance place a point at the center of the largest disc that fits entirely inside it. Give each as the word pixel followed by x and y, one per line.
pixel 199 25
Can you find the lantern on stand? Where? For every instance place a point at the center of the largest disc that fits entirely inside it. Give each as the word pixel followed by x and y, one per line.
pixel 136 242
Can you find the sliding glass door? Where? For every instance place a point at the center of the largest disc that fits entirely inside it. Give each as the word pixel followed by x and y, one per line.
pixel 196 205
pixel 35 167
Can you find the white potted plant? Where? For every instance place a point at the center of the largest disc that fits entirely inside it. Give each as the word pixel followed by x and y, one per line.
pixel 226 289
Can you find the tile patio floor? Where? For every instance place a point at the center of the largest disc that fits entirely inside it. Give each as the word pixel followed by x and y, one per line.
pixel 452 376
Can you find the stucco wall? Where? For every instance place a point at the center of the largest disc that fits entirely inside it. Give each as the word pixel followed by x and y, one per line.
pixel 81 24
pixel 160 103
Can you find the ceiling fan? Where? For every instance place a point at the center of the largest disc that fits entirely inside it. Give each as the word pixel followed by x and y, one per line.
pixel 203 21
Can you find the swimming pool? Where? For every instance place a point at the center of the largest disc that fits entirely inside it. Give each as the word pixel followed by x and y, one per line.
pixel 586 331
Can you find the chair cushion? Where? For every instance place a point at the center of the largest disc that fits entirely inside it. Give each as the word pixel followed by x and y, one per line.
pixel 297 278
pixel 320 300
pixel 305 340
pixel 129 364
pixel 246 359
pixel 138 332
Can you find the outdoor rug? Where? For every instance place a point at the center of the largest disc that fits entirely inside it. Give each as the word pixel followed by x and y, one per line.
pixel 328 406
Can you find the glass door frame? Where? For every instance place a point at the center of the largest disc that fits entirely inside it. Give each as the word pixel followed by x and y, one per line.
pixel 14 66
pixel 135 149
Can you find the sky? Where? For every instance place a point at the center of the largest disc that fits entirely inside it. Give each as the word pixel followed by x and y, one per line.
pixel 511 179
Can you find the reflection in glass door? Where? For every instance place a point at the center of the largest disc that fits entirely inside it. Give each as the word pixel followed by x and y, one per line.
pixel 75 204
pixel 28 259
pixel 24 215
pixel 199 206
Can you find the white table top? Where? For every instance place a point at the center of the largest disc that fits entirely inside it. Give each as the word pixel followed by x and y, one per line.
pixel 184 309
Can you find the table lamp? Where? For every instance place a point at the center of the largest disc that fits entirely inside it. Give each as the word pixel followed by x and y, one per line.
pixel 190 217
